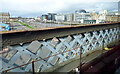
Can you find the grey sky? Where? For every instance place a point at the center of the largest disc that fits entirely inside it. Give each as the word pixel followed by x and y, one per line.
pixel 36 7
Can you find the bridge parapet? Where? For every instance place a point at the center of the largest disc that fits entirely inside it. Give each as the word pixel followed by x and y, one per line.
pixel 49 47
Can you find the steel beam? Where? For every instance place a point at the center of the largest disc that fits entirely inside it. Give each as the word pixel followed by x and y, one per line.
pixel 16 37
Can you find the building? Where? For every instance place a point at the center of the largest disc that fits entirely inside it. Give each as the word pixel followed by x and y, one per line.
pixel 38 19
pixel 119 7
pixel 111 18
pixel 80 11
pixel 69 17
pixel 60 17
pixel 89 21
pixel 12 19
pixel 82 16
pixel 51 16
pixel 44 17
pixel 94 16
pixel 4 17
pixel 101 18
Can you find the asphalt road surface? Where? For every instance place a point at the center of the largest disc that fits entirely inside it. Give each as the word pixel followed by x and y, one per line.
pixel 35 25
pixel 43 25
pixel 18 26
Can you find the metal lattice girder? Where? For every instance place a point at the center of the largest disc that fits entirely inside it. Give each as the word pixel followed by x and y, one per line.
pixel 41 49
pixel 9 54
pixel 34 46
pixel 45 52
pixel 37 65
pixel 53 60
pixel 73 44
pixel 60 47
pixel 54 42
pixel 22 59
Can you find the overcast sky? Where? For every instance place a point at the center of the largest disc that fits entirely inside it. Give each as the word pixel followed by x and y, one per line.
pixel 36 7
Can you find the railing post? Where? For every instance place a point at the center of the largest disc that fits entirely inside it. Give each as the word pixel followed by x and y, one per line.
pixel 33 70
pixel 80 59
pixel 102 47
pixel 4 72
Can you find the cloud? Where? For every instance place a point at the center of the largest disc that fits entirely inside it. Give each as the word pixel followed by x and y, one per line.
pixel 24 7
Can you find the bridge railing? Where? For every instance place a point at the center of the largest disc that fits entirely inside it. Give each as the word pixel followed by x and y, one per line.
pixel 50 47
pixel 34 65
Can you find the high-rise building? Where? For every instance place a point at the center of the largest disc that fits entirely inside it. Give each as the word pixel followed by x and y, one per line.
pixel 51 16
pixel 119 7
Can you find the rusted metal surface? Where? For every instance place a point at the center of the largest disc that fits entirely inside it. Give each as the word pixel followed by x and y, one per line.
pixel 16 37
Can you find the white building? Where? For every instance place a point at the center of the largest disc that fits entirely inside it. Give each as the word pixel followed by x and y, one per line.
pixel 101 16
pixel 82 16
pixel 60 17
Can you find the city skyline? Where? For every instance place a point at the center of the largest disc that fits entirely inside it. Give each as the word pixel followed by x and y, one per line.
pixel 35 8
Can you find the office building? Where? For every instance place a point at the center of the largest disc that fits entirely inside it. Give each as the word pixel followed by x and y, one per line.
pixel 51 16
